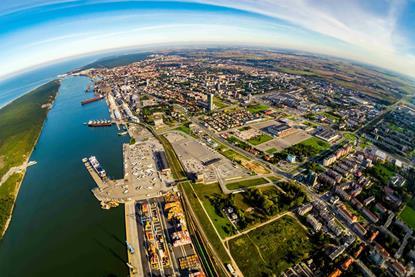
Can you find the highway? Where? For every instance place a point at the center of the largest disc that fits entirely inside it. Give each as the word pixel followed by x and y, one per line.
pixel 132 238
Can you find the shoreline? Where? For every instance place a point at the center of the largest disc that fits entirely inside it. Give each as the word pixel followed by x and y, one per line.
pixel 18 186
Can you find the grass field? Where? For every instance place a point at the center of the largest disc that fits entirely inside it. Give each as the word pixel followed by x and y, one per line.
pixel 257 108
pixel 219 103
pixel 408 216
pixel 222 224
pixel 208 228
pixel 20 125
pixel 244 161
pixel 233 155
pixel 184 128
pixel 316 143
pixel 271 150
pixel 247 183
pixel 350 137
pixel 259 139
pixel 271 249
pixel 383 172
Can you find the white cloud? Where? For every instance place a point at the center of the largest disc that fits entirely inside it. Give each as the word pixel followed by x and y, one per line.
pixel 365 33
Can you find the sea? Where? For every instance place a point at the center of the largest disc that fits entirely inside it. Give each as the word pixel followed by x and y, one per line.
pixel 58 227
pixel 14 87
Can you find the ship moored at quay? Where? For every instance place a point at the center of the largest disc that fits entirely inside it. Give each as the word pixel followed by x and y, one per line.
pixel 96 166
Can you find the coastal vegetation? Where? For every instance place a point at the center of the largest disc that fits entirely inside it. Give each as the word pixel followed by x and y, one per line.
pixel 20 123
pixel 8 192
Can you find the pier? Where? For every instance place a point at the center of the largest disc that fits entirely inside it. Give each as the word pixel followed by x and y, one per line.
pixel 94 175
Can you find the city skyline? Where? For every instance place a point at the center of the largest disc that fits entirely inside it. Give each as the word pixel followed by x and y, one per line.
pixel 379 33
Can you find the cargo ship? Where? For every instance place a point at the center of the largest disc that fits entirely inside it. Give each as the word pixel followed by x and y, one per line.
pixel 90 100
pixel 99 123
pixel 97 167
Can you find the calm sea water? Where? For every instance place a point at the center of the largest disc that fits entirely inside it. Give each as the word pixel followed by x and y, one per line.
pixel 14 87
pixel 58 227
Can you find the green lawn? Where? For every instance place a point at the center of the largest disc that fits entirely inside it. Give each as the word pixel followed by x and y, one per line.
pixel 316 143
pixel 247 183
pixel 383 172
pixel 219 103
pixel 222 224
pixel 408 216
pixel 208 228
pixel 331 116
pixel 20 125
pixel 257 108
pixel 395 127
pixel 271 150
pixel 259 139
pixel 184 128
pixel 350 137
pixel 271 249
pixel 233 155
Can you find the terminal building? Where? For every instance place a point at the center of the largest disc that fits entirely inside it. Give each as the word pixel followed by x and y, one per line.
pixel 280 130
pixel 162 161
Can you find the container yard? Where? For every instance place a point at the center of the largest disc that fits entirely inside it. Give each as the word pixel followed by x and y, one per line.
pixel 163 231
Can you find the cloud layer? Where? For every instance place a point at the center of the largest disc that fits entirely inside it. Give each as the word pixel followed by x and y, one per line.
pixel 376 32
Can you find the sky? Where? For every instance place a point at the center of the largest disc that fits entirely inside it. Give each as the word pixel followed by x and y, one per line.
pixel 376 32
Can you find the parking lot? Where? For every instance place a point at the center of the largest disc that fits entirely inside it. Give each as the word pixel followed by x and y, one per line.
pixel 199 158
pixel 141 169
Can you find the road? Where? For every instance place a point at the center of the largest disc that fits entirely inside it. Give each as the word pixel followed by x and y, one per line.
pixel 132 238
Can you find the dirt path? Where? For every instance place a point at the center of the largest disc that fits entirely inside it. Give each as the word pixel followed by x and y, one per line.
pixel 260 225
pixel 16 169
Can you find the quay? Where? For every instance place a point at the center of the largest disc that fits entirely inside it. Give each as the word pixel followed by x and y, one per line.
pixel 134 259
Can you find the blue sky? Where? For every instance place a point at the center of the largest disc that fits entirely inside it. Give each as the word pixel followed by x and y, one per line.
pixel 378 32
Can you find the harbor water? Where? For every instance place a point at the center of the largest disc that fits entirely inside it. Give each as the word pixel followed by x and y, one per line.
pixel 58 227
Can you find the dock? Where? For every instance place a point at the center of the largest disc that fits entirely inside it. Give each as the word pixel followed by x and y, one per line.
pixel 100 183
